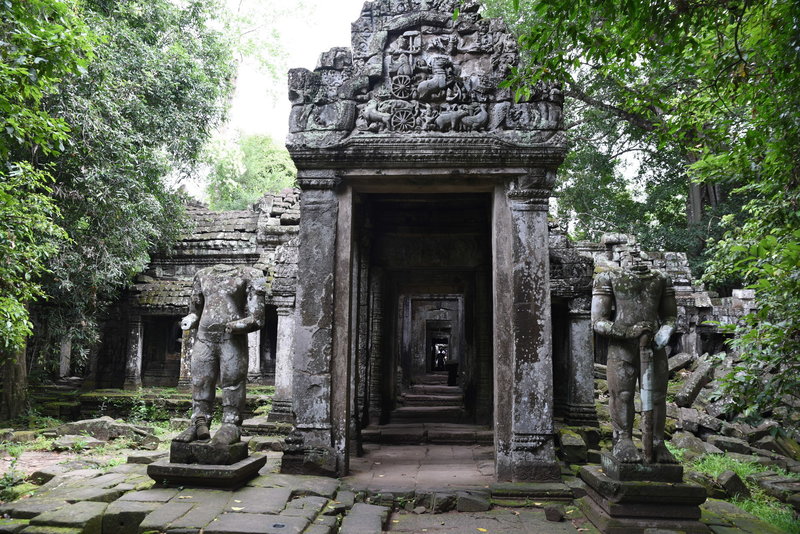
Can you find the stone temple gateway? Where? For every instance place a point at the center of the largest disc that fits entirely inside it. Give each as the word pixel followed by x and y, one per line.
pixel 423 228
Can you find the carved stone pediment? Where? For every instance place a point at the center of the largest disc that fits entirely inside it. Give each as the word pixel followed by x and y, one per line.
pixel 414 73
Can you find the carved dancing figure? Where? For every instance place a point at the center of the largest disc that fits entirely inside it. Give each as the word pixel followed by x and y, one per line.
pixel 635 309
pixel 227 303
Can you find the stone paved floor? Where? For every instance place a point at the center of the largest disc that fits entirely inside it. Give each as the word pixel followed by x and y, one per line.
pixel 122 500
pixel 423 466
pixel 502 521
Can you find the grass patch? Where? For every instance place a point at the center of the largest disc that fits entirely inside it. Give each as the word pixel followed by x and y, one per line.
pixel 761 505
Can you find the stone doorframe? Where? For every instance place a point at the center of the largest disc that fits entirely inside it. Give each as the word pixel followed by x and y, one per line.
pixel 522 346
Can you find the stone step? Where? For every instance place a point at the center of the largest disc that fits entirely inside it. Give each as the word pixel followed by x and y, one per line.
pixel 437 378
pixel 411 399
pixel 429 414
pixel 435 390
pixel 435 433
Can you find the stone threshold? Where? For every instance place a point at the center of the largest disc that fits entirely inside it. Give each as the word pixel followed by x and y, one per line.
pixel 436 433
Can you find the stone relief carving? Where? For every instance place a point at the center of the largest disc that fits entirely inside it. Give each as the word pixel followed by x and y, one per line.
pixel 414 69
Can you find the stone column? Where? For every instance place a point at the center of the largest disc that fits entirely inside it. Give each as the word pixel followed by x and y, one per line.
pixel 282 401
pixel 254 357
pixel 310 448
pixel 65 360
pixel 580 388
pixel 526 449
pixel 133 357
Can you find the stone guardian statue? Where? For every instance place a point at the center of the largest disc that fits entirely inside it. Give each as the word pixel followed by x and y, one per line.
pixel 635 309
pixel 227 303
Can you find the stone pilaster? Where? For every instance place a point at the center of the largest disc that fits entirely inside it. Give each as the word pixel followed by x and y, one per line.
pixel 133 360
pixel 580 389
pixel 310 448
pixel 282 401
pixel 254 357
pixel 187 344
pixel 531 447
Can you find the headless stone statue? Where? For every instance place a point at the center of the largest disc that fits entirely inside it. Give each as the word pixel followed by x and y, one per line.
pixel 227 303
pixel 635 309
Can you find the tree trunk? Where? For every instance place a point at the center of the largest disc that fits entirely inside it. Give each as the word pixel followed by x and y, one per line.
pixel 15 386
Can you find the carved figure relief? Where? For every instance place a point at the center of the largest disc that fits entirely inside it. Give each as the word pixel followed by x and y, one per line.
pixel 419 71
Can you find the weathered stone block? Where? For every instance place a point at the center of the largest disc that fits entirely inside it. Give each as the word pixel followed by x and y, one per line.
pixel 162 517
pixel 730 444
pixel 76 443
pixel 572 446
pixel 696 381
pixel 364 519
pixel 733 485
pixel 679 361
pixel 12 526
pixel 87 516
pixel 257 524
pixel 124 517
pixel 146 457
pixel 554 513
pixel 472 502
pixel 29 508
pixel 254 500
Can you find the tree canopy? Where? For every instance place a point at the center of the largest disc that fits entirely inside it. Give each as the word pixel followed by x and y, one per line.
pixel 715 85
pixel 100 101
pixel 243 171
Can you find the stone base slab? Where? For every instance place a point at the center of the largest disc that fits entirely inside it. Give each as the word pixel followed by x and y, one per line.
pixel 211 476
pixel 623 471
pixel 636 525
pixel 642 492
pixel 639 506
pixel 206 453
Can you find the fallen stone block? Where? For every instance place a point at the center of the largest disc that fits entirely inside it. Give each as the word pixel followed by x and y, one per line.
pixel 697 422
pixel 733 485
pixel 572 446
pixel 147 457
pixel 693 445
pixel 692 386
pixel 680 361
pixel 780 487
pixel 730 444
pixel 767 428
pixel 76 443
pixel 107 429
pixel 554 513
pixel 794 501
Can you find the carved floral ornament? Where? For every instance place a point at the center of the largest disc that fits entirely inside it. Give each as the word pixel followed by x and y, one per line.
pixel 413 69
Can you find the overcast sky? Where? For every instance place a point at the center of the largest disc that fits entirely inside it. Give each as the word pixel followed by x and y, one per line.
pixel 305 34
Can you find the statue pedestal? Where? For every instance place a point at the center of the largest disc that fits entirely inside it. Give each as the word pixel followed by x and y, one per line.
pixel 204 452
pixel 201 463
pixel 638 503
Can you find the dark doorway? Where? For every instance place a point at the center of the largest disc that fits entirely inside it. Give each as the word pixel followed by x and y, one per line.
pixel 161 351
pixel 430 258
